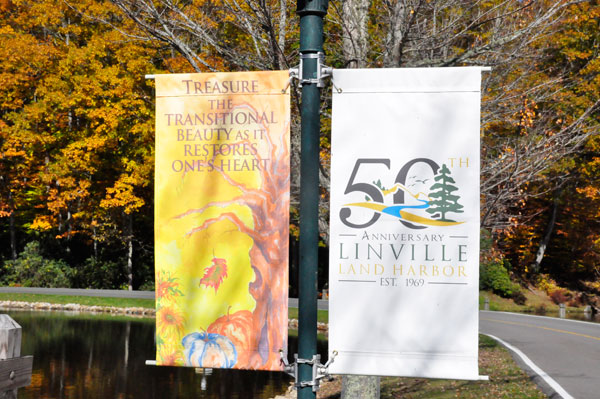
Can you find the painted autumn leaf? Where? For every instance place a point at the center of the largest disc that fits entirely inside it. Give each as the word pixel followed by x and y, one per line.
pixel 215 273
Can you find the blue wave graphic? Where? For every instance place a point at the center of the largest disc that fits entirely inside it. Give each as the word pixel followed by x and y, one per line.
pixel 395 210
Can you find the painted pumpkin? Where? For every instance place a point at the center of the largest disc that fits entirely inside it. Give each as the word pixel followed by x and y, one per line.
pixel 203 349
pixel 238 328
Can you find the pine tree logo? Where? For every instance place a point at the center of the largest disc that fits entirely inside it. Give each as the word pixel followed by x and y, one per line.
pixel 443 200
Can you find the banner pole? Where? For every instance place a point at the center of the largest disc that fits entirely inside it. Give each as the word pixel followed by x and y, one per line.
pixel 311 14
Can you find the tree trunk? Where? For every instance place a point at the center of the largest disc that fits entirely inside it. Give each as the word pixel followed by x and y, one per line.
pixel 130 252
pixel 393 51
pixel 355 36
pixel 95 240
pixel 544 243
pixel 355 48
pixel 13 235
pixel 282 30
pixel 69 224
pixel 271 300
pixel 360 387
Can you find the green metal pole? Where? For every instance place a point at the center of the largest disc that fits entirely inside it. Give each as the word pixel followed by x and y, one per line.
pixel 311 14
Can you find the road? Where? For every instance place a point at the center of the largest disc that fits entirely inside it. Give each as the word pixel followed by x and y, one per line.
pixel 567 350
pixel 79 292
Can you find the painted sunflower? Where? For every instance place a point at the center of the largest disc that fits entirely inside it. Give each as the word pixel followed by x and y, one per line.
pixel 167 287
pixel 169 321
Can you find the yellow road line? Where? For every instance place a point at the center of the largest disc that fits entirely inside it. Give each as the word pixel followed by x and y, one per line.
pixel 544 328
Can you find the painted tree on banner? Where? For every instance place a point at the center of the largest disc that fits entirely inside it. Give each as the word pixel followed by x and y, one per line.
pixel 443 200
pixel 268 252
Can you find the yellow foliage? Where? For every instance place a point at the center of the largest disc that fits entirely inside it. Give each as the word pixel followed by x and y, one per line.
pixel 41 223
pixel 121 195
pixel 547 284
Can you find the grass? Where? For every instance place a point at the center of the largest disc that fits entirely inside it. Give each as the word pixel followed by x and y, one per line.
pixel 320 337
pixel 536 302
pixel 322 315
pixel 507 380
pixel 82 300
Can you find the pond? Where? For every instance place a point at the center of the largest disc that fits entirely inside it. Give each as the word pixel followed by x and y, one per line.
pixel 99 356
pixel 81 356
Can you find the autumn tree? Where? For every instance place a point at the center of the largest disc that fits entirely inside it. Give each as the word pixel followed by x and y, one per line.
pixel 25 59
pixel 558 233
pixel 227 35
pixel 77 138
pixel 535 120
pixel 76 114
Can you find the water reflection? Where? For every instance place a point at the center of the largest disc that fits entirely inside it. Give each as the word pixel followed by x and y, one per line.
pixel 594 318
pixel 88 356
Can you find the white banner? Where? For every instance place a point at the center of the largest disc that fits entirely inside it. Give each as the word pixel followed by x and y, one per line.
pixel 404 247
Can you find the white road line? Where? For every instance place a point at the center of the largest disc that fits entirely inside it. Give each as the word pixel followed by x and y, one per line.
pixel 588 323
pixel 549 380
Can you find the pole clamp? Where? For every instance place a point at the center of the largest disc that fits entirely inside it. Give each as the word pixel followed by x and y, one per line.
pixel 323 71
pixel 319 371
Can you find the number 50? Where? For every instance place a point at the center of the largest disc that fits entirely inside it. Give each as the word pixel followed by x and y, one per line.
pixel 375 193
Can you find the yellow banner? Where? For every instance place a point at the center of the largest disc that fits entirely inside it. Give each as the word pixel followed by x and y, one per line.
pixel 221 219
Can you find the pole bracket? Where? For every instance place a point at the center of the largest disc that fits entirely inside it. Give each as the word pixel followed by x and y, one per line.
pixel 319 371
pixel 323 71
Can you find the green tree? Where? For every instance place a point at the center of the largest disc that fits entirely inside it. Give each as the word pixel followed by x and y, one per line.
pixel 32 269
pixel 443 201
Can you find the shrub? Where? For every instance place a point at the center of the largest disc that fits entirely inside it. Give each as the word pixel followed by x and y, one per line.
pixel 575 301
pixel 99 274
pixel 31 269
pixel 546 284
pixel 517 295
pixel 494 272
pixel 147 286
pixel 494 276
pixel 559 296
